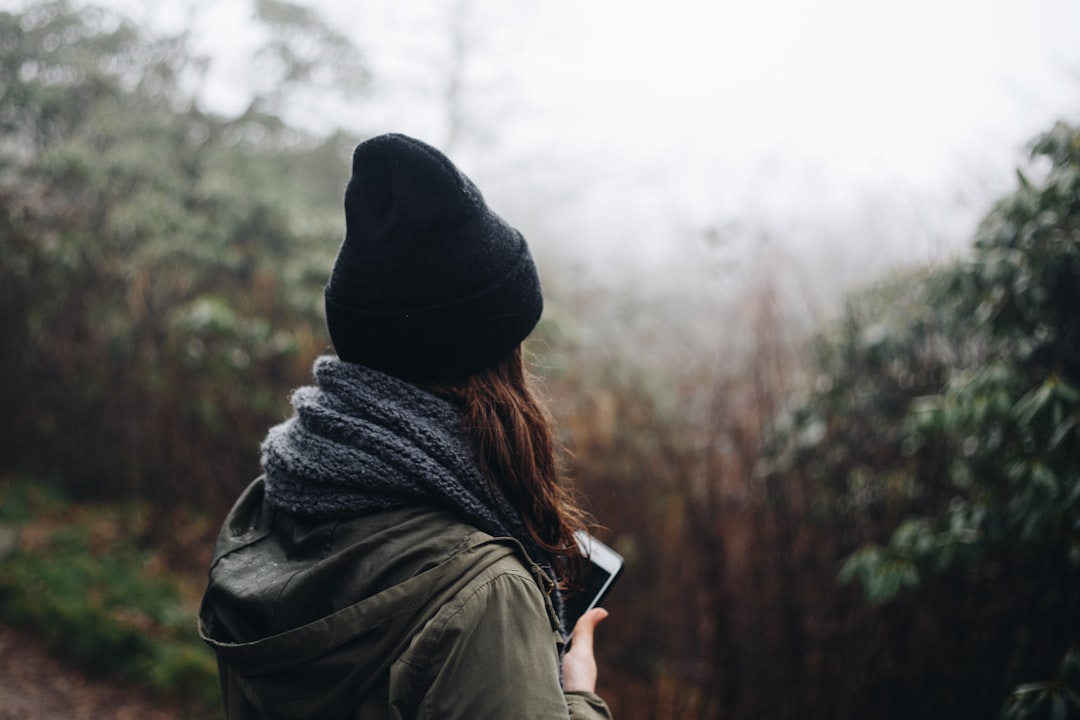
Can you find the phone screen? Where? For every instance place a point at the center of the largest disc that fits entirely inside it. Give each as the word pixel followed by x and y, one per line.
pixel 602 568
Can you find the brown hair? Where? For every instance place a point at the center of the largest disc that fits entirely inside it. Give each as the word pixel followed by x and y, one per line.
pixel 512 436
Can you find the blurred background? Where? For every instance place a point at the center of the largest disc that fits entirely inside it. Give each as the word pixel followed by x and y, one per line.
pixel 812 339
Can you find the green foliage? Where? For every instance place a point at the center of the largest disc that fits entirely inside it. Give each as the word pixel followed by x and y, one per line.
pixel 944 424
pixel 883 575
pixel 97 601
pixel 1058 699
pixel 896 344
pixel 28 497
pixel 162 266
pixel 1010 421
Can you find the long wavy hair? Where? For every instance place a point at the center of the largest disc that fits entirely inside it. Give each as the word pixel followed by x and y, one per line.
pixel 512 436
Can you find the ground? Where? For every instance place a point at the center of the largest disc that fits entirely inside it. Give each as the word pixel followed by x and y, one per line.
pixel 35 686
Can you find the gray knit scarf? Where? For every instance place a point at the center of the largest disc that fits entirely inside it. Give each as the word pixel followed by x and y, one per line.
pixel 362 440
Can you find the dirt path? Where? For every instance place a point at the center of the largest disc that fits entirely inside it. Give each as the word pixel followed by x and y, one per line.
pixel 35 686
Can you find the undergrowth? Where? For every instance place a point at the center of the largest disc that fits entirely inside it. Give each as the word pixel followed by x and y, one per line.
pixel 73 575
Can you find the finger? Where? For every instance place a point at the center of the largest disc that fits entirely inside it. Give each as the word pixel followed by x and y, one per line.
pixel 582 636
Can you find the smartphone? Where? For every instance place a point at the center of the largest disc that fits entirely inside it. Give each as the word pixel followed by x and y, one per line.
pixel 602 568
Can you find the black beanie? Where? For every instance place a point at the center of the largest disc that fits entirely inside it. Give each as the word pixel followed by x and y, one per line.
pixel 429 283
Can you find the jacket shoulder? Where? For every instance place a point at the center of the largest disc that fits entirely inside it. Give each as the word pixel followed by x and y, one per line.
pixel 471 656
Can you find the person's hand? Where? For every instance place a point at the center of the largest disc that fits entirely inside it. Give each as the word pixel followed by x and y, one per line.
pixel 579 664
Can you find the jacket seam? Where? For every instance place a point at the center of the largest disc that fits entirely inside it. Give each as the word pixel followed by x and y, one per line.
pixel 247 539
pixel 439 628
pixel 285 585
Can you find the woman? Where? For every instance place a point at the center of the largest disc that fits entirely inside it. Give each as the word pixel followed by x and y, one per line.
pixel 404 553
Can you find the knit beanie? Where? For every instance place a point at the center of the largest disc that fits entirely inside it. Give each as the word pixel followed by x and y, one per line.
pixel 429 283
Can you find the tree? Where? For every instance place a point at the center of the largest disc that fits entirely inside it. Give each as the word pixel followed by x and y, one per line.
pixel 946 430
pixel 162 265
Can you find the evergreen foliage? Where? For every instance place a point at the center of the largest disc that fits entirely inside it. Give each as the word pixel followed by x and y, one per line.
pixel 162 266
pixel 78 581
pixel 945 425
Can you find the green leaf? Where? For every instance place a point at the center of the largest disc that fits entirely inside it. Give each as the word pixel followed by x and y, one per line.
pixel 1034 403
pixel 1061 433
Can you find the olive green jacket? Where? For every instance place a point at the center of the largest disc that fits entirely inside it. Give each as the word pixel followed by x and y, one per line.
pixel 397 614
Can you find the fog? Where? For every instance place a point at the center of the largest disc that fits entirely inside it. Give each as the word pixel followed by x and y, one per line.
pixel 699 182
pixel 841 138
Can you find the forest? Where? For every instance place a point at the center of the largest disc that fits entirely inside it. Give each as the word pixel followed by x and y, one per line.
pixel 875 517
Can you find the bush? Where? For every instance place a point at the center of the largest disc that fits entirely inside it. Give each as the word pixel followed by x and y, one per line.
pixel 77 581
pixel 944 433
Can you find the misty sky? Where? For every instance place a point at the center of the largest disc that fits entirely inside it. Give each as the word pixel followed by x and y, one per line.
pixel 642 123
pixel 665 116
